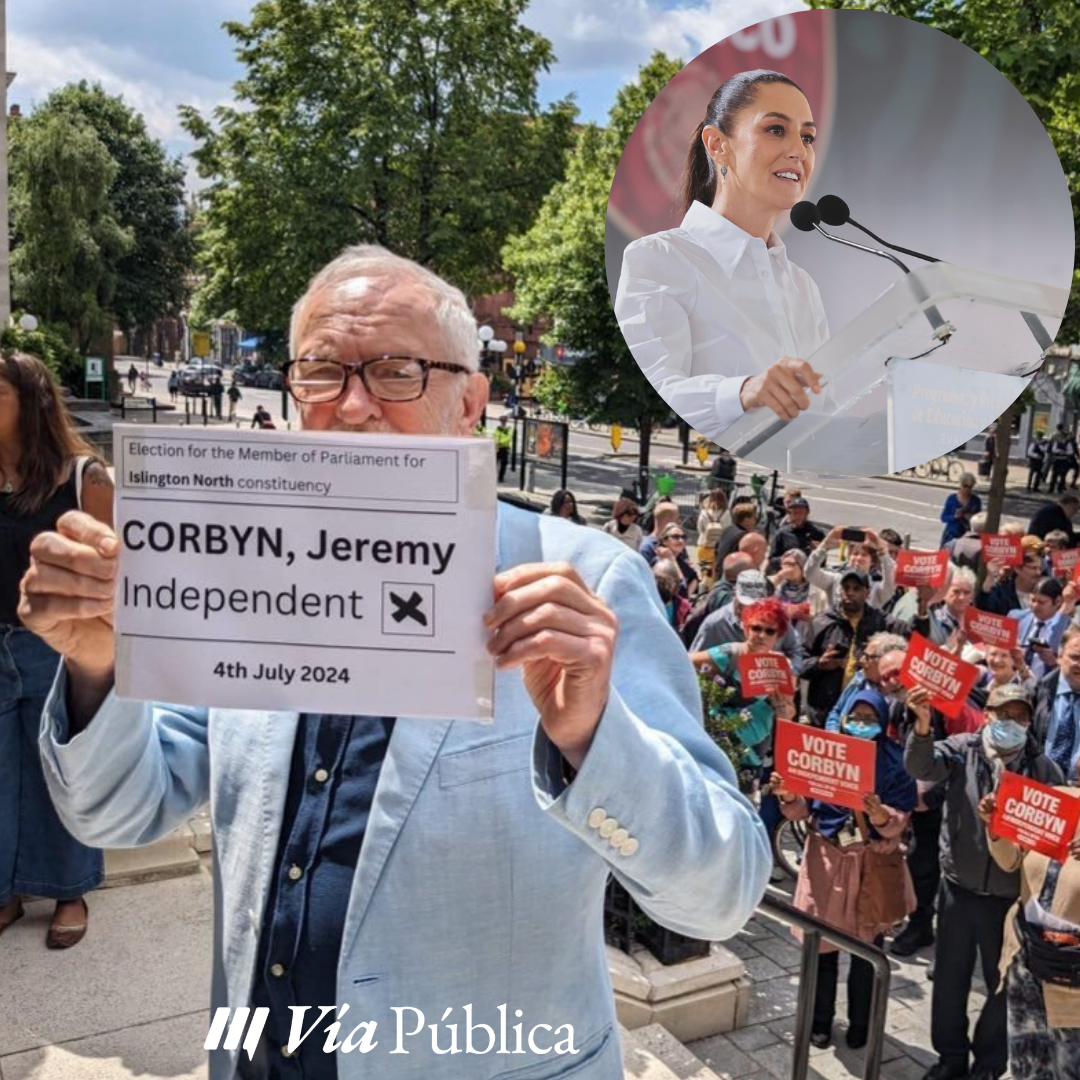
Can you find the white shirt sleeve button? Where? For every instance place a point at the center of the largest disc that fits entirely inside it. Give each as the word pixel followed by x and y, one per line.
pixel 618 838
pixel 596 817
pixel 764 273
pixel 628 847
pixel 607 827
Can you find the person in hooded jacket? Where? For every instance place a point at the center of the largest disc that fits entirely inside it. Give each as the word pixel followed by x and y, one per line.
pixel 830 875
pixel 976 893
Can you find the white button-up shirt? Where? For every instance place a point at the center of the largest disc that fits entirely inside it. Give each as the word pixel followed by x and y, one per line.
pixel 705 306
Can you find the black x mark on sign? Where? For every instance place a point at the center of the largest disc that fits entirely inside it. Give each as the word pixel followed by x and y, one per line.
pixel 408 609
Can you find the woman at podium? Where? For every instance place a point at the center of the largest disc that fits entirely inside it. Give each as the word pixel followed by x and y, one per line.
pixel 715 313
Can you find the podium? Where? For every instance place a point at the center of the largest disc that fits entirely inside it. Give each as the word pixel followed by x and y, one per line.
pixel 931 362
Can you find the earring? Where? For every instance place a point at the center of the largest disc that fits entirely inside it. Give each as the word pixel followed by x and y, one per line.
pixel 723 174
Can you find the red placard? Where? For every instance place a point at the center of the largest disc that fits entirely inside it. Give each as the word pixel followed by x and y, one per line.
pixel 761 674
pixel 1035 816
pixel 1065 563
pixel 948 678
pixel 825 765
pixel 1002 548
pixel 922 568
pixel 991 629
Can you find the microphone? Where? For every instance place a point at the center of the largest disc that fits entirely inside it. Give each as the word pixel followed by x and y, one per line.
pixel 807 217
pixel 834 211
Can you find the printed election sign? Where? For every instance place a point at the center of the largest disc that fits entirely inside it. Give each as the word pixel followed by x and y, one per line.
pixel 948 678
pixel 1035 816
pixel 1064 562
pixel 922 568
pixel 991 629
pixel 312 571
pixel 825 765
pixel 765 673
pixel 1002 548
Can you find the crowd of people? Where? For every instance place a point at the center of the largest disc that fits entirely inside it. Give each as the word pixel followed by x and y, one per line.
pixel 917 867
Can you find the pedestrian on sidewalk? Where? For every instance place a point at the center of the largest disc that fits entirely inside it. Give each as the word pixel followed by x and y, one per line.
pixel 217 392
pixel 1037 452
pixel 986 463
pixel 959 509
pixel 234 397
pixel 133 378
pixel 46 469
pixel 504 439
pixel 174 385
pixel 1063 453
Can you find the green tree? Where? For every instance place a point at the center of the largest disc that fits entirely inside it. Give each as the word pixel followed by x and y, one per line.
pixel 66 237
pixel 559 271
pixel 414 125
pixel 147 196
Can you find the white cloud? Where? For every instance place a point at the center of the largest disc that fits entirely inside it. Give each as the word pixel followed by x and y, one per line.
pixel 154 90
pixel 590 35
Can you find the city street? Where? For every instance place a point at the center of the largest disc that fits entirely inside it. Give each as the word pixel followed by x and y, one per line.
pixel 597 474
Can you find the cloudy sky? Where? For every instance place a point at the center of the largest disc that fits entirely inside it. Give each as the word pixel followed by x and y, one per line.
pixel 166 53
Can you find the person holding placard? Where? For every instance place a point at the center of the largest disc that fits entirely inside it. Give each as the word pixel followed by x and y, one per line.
pixel 1040 958
pixel 861 888
pixel 46 469
pixel 764 623
pixel 940 622
pixel 976 893
pixel 381 863
pixel 1007 588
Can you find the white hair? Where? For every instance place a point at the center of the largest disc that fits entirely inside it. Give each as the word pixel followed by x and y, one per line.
pixel 962 575
pixel 978 522
pixel 366 261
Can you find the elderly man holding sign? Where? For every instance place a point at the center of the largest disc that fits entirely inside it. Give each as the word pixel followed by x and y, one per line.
pixel 418 869
pixel 976 893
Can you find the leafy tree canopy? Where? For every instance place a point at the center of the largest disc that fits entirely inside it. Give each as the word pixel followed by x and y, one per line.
pixel 413 125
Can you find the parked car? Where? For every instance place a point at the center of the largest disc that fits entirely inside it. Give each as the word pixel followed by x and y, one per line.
pixel 269 379
pixel 244 374
pixel 195 379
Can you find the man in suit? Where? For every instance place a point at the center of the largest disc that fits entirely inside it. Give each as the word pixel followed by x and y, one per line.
pixel 416 865
pixel 1056 725
pixel 1039 630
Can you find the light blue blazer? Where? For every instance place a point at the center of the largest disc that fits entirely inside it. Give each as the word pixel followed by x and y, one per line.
pixel 482 874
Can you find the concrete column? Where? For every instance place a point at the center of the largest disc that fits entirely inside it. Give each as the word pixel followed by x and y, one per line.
pixel 5 265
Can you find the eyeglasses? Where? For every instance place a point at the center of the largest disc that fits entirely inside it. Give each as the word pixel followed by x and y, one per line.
pixel 676 536
pixel 314 380
pixel 765 631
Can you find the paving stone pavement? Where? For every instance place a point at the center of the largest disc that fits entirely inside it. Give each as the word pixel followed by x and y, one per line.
pixel 762 1049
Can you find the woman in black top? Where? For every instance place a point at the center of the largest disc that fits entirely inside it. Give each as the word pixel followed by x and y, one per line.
pixel 46 469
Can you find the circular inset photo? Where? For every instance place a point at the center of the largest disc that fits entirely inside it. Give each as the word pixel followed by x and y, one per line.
pixel 839 243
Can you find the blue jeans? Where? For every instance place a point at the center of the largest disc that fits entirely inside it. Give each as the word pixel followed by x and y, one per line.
pixel 38 856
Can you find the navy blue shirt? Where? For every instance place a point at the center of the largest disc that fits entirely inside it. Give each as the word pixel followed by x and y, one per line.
pixel 335 767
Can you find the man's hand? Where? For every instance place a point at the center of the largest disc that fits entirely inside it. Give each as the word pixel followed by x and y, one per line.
pixel 67 594
pixel 562 635
pixel 987 805
pixel 876 811
pixel 918 701
pixel 831 658
pixel 832 538
pixel 776 787
pixel 781 388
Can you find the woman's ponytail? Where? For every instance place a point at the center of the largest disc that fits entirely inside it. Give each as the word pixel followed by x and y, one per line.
pixel 699 176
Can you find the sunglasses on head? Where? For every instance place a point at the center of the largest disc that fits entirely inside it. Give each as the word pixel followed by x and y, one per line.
pixel 770 631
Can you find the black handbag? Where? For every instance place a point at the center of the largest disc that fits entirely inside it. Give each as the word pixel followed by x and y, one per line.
pixel 1047 961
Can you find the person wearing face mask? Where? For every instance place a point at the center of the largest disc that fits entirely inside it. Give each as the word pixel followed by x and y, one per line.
pixel 715 313
pixel 1040 962
pixel 976 893
pixel 834 881
pixel 869 676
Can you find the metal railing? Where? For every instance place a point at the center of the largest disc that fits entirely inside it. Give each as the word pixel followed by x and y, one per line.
pixel 814 932
pixel 126 404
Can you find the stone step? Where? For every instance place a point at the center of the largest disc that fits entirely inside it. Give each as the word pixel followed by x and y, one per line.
pixel 175 854
pixel 653 1053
